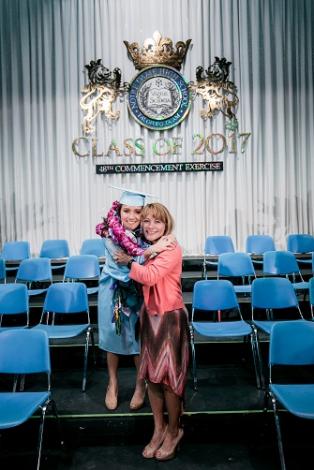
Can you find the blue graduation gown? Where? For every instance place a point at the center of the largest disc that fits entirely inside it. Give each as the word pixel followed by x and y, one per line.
pixel 127 342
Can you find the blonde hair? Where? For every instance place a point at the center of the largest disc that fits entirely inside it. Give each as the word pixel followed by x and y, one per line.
pixel 160 212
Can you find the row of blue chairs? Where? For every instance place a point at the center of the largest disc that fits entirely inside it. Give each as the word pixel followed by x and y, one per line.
pixel 24 353
pixel 291 341
pixel 274 263
pixel 25 350
pixel 214 245
pixel 32 271
pixel 256 245
pixel 270 295
pixel 54 249
pixel 62 301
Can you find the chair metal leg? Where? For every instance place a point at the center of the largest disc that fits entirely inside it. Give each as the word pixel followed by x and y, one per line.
pixel 40 434
pixel 22 383
pixel 88 332
pixel 266 399
pixel 55 412
pixel 255 361
pixel 41 429
pixel 259 358
pixel 93 346
pixel 193 359
pixel 278 430
pixel 204 270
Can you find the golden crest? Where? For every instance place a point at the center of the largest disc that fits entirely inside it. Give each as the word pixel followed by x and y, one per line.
pixel 158 51
pixel 97 99
pixel 100 94
pixel 216 90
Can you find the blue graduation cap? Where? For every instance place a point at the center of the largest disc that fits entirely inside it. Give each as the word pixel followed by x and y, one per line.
pixel 132 198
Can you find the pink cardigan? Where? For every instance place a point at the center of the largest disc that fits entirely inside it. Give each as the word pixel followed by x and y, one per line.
pixel 161 279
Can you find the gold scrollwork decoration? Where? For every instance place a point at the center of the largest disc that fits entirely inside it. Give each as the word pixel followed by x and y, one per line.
pixel 219 93
pixel 100 94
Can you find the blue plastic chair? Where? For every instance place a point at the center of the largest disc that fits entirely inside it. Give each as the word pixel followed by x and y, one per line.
pixel 300 243
pixel 256 245
pixel 214 246
pixel 15 252
pixel 64 299
pixel 93 246
pixel 35 270
pixel 13 302
pixel 284 263
pixel 215 297
pixel 291 344
pixel 311 296
pixel 25 352
pixel 2 270
pixel 270 295
pixel 55 249
pixel 83 267
pixel 237 265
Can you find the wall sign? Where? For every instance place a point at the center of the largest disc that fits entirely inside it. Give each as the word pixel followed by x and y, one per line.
pixel 158 97
pixel 158 167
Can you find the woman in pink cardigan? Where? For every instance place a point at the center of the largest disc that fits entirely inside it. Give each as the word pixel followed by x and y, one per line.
pixel 164 332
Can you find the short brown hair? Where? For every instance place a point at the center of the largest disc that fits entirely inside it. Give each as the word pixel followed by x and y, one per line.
pixel 160 212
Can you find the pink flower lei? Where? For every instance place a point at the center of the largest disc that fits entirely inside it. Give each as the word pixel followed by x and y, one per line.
pixel 118 232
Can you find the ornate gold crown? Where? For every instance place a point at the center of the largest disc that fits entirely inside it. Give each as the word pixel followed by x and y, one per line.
pixel 157 51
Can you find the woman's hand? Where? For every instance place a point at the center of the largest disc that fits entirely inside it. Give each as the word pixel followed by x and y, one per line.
pixel 121 257
pixel 167 242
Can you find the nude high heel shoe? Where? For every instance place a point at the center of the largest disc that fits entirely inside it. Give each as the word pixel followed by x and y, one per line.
pixel 138 399
pixel 163 455
pixel 111 400
pixel 150 450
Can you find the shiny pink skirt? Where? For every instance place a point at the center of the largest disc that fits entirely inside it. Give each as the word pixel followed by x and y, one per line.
pixel 164 357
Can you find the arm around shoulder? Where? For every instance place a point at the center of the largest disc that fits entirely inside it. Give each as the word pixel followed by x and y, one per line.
pixel 157 268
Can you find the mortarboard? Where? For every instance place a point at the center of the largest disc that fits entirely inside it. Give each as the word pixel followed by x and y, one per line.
pixel 132 198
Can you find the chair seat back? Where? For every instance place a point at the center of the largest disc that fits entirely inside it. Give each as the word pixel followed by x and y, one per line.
pixel 93 246
pixel 13 299
pixel 300 243
pixel 65 297
pixel 82 267
pixel 292 344
pixel 55 249
pixel 280 263
pixel 24 352
pixel 235 265
pixel 16 251
pixel 34 270
pixel 217 244
pixel 258 244
pixel 2 270
pixel 273 293
pixel 214 295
